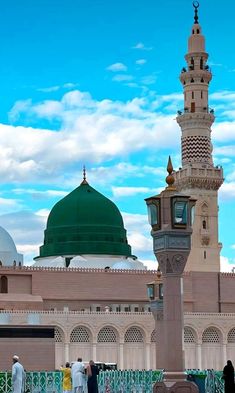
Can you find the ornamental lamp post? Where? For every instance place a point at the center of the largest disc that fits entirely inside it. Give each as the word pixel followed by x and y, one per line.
pixel 171 216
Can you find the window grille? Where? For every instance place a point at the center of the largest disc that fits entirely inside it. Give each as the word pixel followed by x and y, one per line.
pixel 107 335
pixel 80 335
pixel 231 336
pixel 210 335
pixel 134 335
pixel 189 335
pixel 58 335
pixel 154 336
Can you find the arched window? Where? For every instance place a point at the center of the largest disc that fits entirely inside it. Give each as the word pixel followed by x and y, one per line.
pixel 134 335
pixel 204 224
pixel 4 284
pixel 210 335
pixel 189 336
pixel 107 335
pixel 231 336
pixel 58 334
pixel 80 334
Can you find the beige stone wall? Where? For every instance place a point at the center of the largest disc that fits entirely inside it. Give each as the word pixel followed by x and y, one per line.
pixel 35 354
pixel 86 289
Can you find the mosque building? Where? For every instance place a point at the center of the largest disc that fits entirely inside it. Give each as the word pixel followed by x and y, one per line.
pixel 86 293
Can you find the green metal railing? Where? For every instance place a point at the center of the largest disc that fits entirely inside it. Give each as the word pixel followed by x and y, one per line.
pixel 125 381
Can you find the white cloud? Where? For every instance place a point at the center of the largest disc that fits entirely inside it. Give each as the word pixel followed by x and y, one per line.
pixel 141 46
pixel 122 78
pixel 130 191
pixel 40 194
pixel 101 130
pixel 226 265
pixel 140 243
pixel 8 205
pixel 117 67
pixel 151 264
pixel 141 61
pixel 50 89
pixel 227 191
pixel 149 79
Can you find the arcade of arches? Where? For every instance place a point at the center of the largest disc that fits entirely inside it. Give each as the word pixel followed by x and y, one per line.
pixel 130 339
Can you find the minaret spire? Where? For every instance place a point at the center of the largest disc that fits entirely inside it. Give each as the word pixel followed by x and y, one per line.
pixel 196 6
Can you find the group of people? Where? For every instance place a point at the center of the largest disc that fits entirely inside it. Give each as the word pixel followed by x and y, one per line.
pixel 80 379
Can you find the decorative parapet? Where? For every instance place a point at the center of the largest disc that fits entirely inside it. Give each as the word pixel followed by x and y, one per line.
pixel 193 177
pixel 74 269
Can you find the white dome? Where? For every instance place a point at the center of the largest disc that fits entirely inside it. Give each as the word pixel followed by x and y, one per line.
pixel 6 242
pixel 123 265
pixel 8 252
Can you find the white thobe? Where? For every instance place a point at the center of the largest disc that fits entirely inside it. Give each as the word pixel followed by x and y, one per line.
pixel 18 376
pixel 78 376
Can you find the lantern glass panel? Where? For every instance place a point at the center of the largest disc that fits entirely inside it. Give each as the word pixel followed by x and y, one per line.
pixel 153 214
pixel 180 212
pixel 150 291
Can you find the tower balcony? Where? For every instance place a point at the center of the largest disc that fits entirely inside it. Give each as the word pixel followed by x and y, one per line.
pixel 193 110
pixel 199 175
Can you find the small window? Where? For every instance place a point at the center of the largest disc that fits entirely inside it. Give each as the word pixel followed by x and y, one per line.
pixel 204 224
pixel 201 63
pixel 204 254
pixel 201 94
pixel 127 309
pixel 198 31
pixel 136 309
pixel 192 94
pixel 97 309
pixel 4 284
pixel 192 80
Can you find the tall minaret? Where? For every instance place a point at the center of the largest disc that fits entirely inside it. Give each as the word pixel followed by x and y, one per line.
pixel 198 176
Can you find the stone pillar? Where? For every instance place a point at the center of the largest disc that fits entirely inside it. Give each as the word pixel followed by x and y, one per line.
pixel 173 324
pixel 147 356
pixel 224 355
pixel 66 351
pixel 199 354
pixel 94 347
pixel 121 355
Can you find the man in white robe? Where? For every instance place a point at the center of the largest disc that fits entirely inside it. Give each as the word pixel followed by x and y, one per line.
pixel 18 375
pixel 78 376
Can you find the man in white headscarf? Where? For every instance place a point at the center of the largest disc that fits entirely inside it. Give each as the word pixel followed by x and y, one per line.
pixel 78 376
pixel 18 375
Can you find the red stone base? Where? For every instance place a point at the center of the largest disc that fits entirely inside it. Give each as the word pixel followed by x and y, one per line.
pixel 175 387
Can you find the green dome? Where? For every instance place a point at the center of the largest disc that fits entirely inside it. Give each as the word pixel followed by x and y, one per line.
pixel 85 222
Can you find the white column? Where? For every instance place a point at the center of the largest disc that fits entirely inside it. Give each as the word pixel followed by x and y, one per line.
pixel 224 355
pixel 199 355
pixel 147 356
pixel 94 347
pixel 66 351
pixel 121 356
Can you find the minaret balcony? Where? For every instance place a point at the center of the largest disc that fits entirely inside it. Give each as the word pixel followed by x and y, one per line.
pixel 199 175
pixel 197 75
pixel 204 109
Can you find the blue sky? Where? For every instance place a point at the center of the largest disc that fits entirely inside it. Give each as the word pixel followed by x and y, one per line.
pixel 96 83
